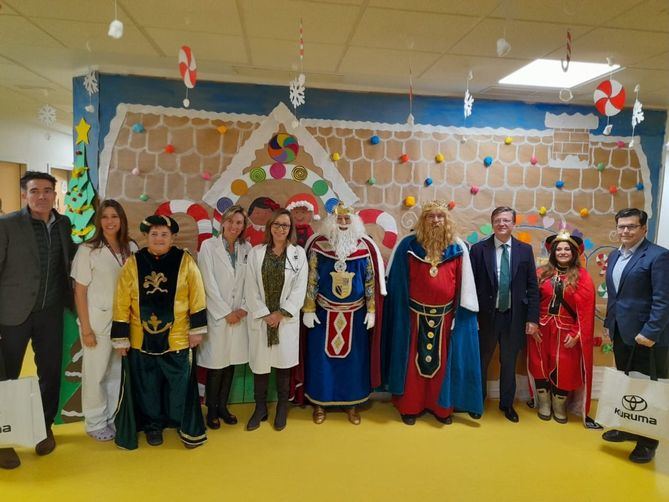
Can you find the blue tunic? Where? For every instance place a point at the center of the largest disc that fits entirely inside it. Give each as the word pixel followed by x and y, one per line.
pixel 337 369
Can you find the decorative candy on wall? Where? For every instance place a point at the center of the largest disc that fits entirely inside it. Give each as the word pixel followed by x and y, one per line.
pixel 79 196
pixel 602 261
pixel 385 221
pixel 195 211
pixel 188 70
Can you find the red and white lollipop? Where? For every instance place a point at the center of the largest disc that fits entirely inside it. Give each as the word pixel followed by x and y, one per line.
pixel 609 98
pixel 188 70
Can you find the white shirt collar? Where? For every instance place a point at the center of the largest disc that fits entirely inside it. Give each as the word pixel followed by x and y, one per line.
pixel 630 251
pixel 498 243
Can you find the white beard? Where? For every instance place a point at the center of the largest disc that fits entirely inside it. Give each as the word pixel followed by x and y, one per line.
pixel 344 242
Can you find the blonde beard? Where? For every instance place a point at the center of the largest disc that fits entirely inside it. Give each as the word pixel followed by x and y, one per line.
pixel 434 240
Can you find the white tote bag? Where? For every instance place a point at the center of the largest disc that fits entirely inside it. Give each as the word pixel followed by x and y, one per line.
pixel 634 403
pixel 21 414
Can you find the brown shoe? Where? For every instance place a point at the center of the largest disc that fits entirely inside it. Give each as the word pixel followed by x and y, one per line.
pixel 9 459
pixel 319 414
pixel 353 415
pixel 47 445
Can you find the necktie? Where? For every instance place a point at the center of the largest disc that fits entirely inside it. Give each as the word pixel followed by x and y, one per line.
pixel 504 280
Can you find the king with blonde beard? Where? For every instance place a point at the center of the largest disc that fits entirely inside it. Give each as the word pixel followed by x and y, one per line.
pixel 342 348
pixel 429 322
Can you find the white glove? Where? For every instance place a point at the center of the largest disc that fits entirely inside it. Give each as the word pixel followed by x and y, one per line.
pixel 309 319
pixel 370 320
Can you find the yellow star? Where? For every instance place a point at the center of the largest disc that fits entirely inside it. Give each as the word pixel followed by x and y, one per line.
pixel 82 131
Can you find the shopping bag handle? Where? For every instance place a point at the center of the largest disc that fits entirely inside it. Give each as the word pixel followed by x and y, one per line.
pixel 651 356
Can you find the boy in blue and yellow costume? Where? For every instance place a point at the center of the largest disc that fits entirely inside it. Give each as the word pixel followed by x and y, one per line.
pixel 159 314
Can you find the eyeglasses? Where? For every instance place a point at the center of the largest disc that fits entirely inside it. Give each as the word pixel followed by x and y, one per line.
pixel 282 226
pixel 631 228
pixel 502 221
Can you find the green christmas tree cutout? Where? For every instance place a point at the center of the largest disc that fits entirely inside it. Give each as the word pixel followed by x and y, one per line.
pixel 79 197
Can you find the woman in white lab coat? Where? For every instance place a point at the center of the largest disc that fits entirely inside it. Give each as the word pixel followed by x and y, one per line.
pixel 222 261
pixel 275 288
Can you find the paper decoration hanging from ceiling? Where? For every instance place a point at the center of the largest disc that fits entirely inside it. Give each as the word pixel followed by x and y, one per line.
pixel 297 90
pixel 47 115
pixel 609 98
pixel 297 86
pixel 469 99
pixel 637 114
pixel 188 70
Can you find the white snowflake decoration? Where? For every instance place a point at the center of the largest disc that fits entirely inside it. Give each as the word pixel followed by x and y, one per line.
pixel 637 113
pixel 91 83
pixel 469 103
pixel 47 115
pixel 297 89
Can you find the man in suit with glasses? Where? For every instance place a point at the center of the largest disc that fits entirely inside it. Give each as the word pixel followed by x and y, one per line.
pixel 637 312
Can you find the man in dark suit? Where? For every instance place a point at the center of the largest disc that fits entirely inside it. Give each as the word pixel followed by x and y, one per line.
pixel 508 294
pixel 637 312
pixel 35 255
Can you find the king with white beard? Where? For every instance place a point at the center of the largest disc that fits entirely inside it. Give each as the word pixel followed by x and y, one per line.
pixel 342 311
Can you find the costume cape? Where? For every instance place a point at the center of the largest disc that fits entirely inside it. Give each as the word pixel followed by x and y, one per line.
pixel 461 388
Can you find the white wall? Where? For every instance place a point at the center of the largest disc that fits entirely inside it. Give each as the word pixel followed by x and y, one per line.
pixel 26 143
pixel 663 216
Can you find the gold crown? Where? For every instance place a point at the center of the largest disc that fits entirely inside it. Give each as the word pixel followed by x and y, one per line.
pixel 436 205
pixel 564 236
pixel 341 210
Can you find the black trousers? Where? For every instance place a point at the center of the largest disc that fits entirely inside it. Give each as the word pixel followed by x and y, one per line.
pixel 641 363
pixel 508 355
pixel 45 329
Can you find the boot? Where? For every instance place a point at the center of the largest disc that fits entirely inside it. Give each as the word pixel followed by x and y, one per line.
pixel 319 414
pixel 226 384
pixel 260 383
pixel 544 399
pixel 212 390
pixel 282 391
pixel 353 415
pixel 9 459
pixel 560 408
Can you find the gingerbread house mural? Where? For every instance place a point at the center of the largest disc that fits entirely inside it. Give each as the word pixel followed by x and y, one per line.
pixel 193 163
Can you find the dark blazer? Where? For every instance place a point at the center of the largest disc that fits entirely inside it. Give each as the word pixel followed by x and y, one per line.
pixel 642 303
pixel 19 264
pixel 524 287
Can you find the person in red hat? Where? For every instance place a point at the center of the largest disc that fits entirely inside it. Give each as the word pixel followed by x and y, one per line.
pixel 559 355
pixel 303 208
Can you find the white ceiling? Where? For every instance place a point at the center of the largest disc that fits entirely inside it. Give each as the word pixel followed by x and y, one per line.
pixel 349 44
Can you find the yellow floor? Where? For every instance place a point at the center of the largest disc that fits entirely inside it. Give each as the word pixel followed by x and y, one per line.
pixel 382 459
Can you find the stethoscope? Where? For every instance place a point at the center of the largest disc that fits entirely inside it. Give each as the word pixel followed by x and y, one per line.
pixel 288 260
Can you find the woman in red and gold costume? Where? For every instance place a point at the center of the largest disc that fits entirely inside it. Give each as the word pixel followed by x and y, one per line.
pixel 559 356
